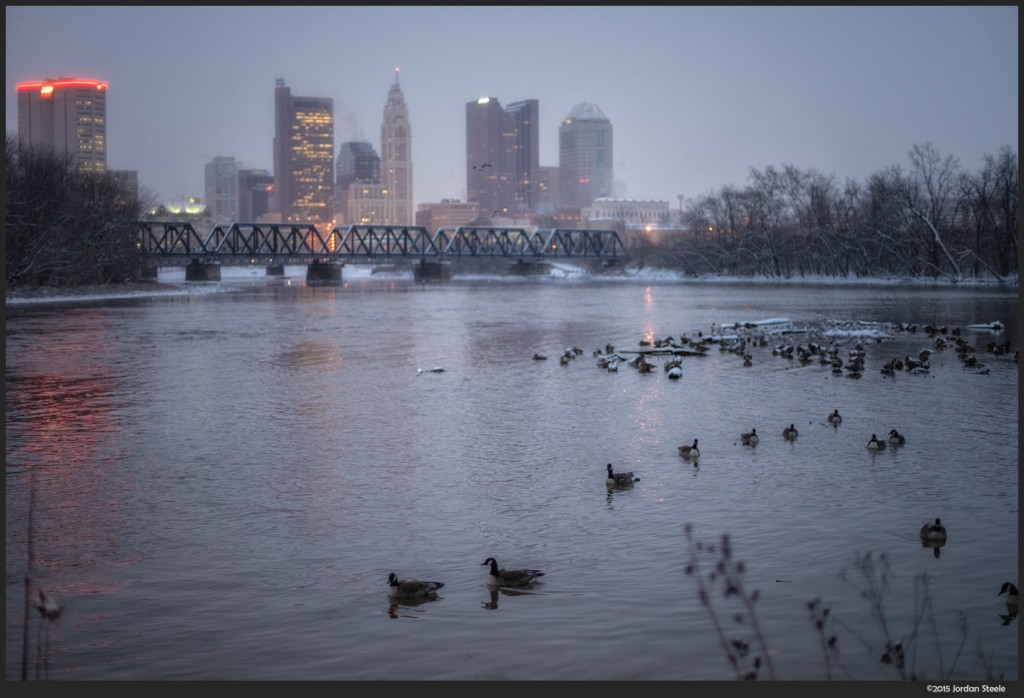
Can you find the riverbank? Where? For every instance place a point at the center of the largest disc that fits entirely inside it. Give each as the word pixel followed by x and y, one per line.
pixel 52 294
pixel 28 294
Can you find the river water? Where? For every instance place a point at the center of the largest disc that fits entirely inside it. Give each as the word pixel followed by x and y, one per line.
pixel 216 484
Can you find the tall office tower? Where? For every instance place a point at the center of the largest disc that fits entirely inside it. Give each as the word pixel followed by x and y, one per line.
pixel 303 156
pixel 358 163
pixel 396 157
pixel 66 116
pixel 584 156
pixel 254 195
pixel 523 149
pixel 222 189
pixel 502 146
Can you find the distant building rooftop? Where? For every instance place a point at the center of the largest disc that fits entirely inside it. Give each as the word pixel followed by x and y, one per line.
pixel 586 111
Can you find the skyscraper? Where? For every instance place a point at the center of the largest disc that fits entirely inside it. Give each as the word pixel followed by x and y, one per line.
pixel 523 150
pixel 396 156
pixel 221 179
pixel 67 116
pixel 584 156
pixel 358 163
pixel 254 195
pixel 303 155
pixel 502 155
pixel 388 199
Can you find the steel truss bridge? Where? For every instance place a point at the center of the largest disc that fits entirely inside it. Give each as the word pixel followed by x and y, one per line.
pixel 168 242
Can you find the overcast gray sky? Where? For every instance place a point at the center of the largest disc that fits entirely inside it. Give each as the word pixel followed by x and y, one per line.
pixel 696 95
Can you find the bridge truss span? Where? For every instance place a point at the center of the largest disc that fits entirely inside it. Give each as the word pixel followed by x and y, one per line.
pixel 275 243
pixel 266 243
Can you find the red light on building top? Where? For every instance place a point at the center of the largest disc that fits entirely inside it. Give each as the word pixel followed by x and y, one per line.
pixel 584 180
pixel 47 87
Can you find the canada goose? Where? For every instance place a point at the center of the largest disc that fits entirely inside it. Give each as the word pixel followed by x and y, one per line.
pixel 1011 596
pixel 675 373
pixel 750 438
pixel 834 419
pixel 875 443
pixel 690 451
pixel 618 479
pixel 789 432
pixel 510 578
pixel 935 532
pixel 411 588
pixel 896 438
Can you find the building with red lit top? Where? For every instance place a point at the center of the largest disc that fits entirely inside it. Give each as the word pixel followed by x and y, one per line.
pixel 67 116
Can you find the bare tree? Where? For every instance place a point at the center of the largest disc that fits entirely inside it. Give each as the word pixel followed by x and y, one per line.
pixel 928 195
pixel 1005 174
pixel 63 227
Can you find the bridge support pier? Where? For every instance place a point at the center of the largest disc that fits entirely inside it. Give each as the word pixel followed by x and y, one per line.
pixel 323 274
pixel 529 268
pixel 424 271
pixel 149 272
pixel 275 270
pixel 202 271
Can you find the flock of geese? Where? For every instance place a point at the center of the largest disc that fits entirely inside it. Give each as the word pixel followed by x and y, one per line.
pixel 932 534
pixel 790 433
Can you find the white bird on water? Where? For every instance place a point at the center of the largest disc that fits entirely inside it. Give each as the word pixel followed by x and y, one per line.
pixel 47 607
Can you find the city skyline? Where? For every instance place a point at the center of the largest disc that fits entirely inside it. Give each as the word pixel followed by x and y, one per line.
pixel 709 93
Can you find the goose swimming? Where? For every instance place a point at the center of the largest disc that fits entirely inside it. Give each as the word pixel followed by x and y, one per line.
pixel 896 438
pixel 521 577
pixel 750 438
pixel 687 451
pixel 789 433
pixel 411 588
pixel 615 479
pixel 875 443
pixel 934 533
pixel 1011 597
pixel 834 419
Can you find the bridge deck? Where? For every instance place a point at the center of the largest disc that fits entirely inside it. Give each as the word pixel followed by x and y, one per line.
pixel 275 243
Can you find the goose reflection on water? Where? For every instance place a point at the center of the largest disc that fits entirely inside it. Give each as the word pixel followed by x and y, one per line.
pixel 409 608
pixel 492 602
pixel 935 545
